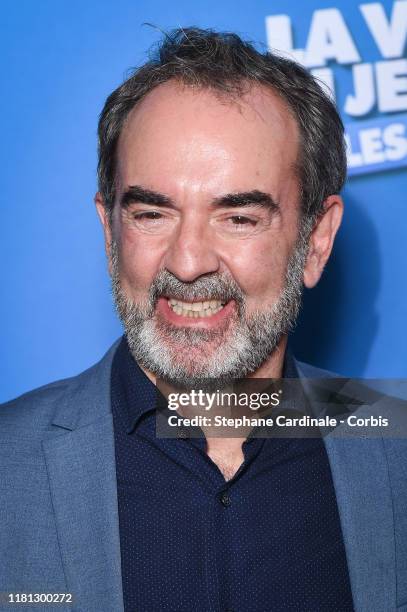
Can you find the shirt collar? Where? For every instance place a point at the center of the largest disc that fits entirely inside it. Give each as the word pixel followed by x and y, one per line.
pixel 135 394
pixel 289 366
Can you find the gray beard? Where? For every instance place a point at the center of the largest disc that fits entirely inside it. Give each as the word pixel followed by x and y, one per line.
pixel 195 358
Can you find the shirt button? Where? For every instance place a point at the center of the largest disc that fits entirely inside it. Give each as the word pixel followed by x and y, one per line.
pixel 225 499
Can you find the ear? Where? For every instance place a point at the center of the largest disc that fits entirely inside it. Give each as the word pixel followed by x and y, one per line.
pixel 105 221
pixel 322 240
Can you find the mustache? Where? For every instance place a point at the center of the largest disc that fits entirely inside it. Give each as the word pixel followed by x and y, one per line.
pixel 209 287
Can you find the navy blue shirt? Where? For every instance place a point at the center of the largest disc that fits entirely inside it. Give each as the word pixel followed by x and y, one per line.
pixel 269 539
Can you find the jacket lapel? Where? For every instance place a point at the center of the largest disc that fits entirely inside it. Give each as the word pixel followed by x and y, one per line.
pixel 360 475
pixel 361 481
pixel 80 458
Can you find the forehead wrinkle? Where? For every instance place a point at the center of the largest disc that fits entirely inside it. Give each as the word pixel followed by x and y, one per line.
pixel 244 103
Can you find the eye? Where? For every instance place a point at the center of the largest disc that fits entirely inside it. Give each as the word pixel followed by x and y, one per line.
pixel 150 215
pixel 151 221
pixel 242 220
pixel 236 225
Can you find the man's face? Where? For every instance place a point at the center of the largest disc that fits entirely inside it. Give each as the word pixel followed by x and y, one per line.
pixel 206 264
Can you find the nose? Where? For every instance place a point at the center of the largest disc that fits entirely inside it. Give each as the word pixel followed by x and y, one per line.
pixel 192 252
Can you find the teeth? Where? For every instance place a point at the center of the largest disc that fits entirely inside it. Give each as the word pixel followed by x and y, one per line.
pixel 195 309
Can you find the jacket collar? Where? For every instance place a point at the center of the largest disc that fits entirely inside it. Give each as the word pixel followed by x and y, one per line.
pixel 88 395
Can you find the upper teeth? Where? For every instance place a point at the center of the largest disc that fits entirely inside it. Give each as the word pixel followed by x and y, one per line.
pixel 195 309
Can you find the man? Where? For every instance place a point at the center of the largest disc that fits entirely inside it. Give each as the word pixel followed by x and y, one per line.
pixel 219 177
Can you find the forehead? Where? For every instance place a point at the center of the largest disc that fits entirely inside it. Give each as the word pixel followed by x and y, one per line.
pixel 179 137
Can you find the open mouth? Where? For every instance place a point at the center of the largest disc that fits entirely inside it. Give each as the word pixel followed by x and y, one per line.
pixel 195 310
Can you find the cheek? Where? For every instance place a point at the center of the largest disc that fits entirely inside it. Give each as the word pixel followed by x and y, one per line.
pixel 260 268
pixel 140 257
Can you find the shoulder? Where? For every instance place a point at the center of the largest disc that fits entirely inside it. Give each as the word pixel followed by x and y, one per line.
pixel 357 397
pixel 306 370
pixel 35 407
pixel 34 411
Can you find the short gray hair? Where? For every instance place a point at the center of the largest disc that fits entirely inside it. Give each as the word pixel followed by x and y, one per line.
pixel 225 63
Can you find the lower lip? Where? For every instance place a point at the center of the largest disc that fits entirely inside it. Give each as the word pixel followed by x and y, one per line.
pixel 165 310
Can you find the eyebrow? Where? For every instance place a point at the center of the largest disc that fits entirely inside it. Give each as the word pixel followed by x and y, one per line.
pixel 137 194
pixel 248 198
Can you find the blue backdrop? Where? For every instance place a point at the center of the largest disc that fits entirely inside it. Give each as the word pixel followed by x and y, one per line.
pixel 59 62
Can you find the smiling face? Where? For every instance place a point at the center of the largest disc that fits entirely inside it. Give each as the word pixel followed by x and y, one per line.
pixel 206 265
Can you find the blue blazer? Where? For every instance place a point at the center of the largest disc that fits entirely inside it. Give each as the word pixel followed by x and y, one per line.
pixel 59 529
